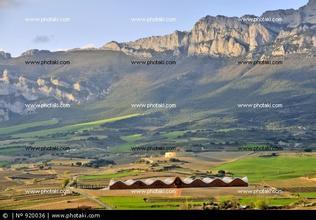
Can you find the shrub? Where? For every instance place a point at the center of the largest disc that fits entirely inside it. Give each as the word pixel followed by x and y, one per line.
pixel 65 182
pixel 261 204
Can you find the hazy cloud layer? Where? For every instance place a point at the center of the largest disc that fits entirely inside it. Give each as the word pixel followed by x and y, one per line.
pixel 87 46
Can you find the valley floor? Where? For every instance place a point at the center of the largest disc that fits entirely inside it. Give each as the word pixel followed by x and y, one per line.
pixel 285 181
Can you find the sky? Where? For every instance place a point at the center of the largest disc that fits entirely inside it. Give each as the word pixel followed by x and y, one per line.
pixel 65 24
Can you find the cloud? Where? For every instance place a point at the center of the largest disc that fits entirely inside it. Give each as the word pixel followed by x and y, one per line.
pixel 42 39
pixel 62 49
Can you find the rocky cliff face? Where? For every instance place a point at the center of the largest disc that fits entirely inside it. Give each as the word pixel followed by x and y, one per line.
pixel 232 36
pixel 227 36
pixel 4 55
pixel 33 52
pixel 17 92
pixel 301 39
pixel 293 18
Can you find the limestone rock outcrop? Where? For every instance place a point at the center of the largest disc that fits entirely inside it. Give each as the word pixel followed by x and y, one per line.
pixel 231 36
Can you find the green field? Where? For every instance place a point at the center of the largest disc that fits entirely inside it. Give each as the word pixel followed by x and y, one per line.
pixel 3 163
pixel 75 127
pixel 122 148
pixel 111 175
pixel 132 138
pixel 259 169
pixel 269 201
pixel 173 134
pixel 126 147
pixel 11 150
pixel 17 128
pixel 103 121
pixel 308 195
pixel 138 203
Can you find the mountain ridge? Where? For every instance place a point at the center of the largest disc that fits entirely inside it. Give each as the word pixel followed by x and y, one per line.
pixel 228 36
pixel 214 45
pixel 217 36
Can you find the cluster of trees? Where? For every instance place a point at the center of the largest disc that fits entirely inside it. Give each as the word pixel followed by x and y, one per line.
pixel 234 204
